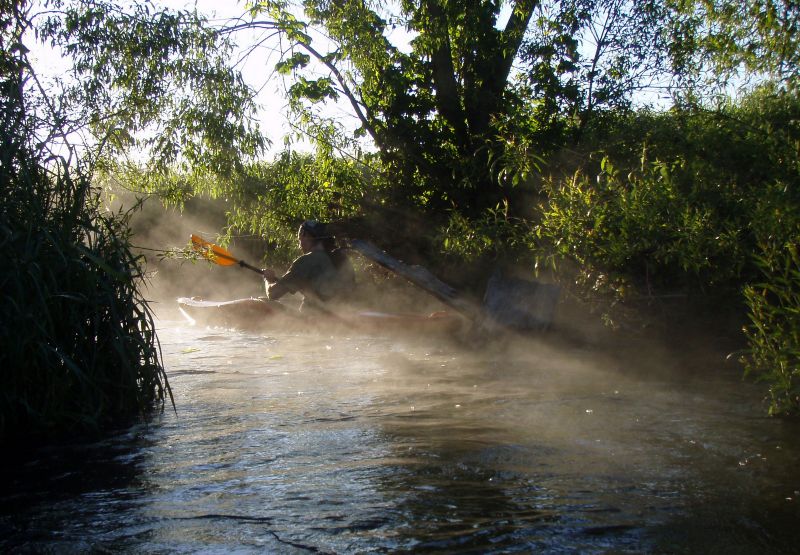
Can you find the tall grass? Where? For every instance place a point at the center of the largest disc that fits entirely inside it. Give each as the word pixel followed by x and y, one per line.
pixel 78 349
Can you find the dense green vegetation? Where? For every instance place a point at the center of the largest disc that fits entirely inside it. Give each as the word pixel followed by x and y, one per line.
pixel 774 334
pixel 78 348
pixel 492 133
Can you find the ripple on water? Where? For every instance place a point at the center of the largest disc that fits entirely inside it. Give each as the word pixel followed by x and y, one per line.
pixel 291 444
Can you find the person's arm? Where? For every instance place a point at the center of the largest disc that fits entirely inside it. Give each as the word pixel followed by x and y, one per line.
pixel 275 289
pixel 290 282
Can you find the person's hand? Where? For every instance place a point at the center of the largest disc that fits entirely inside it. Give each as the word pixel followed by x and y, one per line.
pixel 269 275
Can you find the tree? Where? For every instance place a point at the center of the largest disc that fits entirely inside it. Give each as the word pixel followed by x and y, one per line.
pixel 731 42
pixel 446 114
pixel 456 119
pixel 151 82
pixel 428 111
pixel 585 56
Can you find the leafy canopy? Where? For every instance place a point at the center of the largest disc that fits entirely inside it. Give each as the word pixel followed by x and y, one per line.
pixel 153 84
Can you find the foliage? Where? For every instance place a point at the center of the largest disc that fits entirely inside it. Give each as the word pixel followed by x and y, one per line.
pixel 442 111
pixel 727 41
pixel 494 234
pixel 584 57
pixel 152 82
pixel 746 183
pixel 638 226
pixel 758 130
pixel 79 350
pixel 273 199
pixel 677 154
pixel 453 123
pixel 428 111
pixel 698 202
pixel 774 332
pixel 438 110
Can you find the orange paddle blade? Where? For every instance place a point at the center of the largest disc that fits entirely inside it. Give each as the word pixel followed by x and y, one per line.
pixel 214 253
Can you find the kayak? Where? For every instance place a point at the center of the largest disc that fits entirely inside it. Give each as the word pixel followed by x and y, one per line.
pixel 261 314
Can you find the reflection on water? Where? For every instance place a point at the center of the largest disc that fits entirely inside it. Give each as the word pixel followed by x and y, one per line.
pixel 302 444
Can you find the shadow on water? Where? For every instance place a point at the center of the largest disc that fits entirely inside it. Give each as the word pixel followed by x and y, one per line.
pixel 288 444
pixel 53 496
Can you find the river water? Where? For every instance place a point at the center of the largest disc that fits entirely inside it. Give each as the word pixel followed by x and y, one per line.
pixel 310 444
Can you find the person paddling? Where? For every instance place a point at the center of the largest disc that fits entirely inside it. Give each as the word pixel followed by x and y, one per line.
pixel 323 274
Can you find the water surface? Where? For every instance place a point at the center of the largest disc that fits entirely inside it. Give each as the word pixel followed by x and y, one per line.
pixel 295 444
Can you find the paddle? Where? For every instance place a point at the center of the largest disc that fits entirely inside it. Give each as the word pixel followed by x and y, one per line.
pixel 217 254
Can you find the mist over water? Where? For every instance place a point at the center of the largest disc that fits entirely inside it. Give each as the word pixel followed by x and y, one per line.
pixel 158 230
pixel 295 443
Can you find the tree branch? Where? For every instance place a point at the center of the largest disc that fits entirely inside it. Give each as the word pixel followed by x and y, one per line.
pixel 351 97
pixel 512 39
pixel 492 88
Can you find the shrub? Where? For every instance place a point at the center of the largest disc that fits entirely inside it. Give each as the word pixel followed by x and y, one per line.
pixel 639 229
pixel 774 332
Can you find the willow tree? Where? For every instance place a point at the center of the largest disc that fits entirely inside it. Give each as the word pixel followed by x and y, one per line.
pixel 481 92
pixel 150 82
pixel 456 116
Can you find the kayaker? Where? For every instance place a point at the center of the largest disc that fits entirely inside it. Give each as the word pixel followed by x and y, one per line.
pixel 323 274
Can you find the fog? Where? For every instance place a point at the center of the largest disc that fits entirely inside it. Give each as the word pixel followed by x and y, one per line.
pixel 158 230
pixel 688 350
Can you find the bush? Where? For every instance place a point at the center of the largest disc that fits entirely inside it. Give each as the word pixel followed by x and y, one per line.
pixel 697 201
pixel 637 229
pixel 774 332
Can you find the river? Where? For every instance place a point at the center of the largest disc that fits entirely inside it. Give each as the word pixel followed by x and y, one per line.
pixel 288 443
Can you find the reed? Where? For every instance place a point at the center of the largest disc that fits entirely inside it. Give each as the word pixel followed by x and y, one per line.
pixel 78 349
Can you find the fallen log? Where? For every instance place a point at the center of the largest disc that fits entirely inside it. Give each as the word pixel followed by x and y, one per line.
pixel 508 302
pixel 421 277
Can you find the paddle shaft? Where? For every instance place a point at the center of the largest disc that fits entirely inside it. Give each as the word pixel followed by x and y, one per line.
pixel 244 264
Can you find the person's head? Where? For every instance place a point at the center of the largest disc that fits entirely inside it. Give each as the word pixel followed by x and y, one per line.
pixel 311 234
